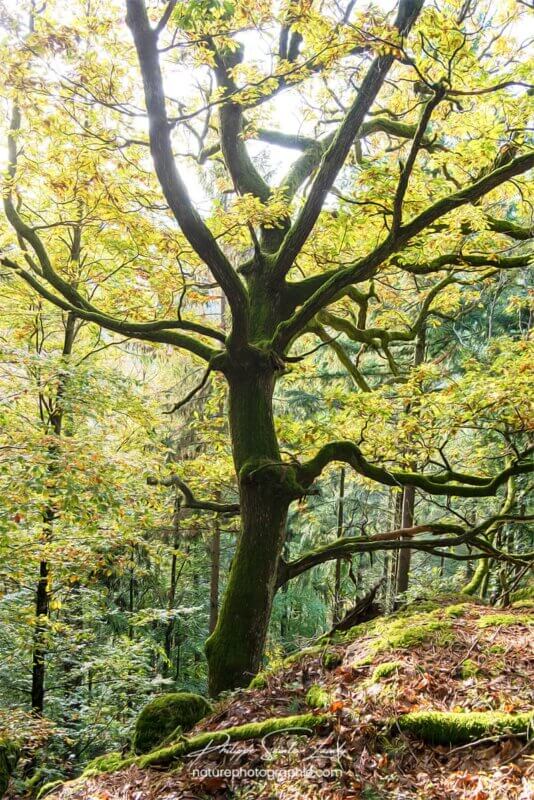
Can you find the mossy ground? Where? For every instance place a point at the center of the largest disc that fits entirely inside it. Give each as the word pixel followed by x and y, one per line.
pixel 391 688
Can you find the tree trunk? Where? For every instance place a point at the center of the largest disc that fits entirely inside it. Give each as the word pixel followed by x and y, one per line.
pixel 235 648
pixel 408 498
pixel 215 567
pixel 338 608
pixel 403 569
pixel 39 639
pixel 42 597
pixel 171 597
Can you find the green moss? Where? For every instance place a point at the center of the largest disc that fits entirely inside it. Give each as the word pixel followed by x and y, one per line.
pixel 9 755
pixel 385 670
pixel 526 603
pixel 417 631
pixel 253 730
pixel 259 681
pixel 427 612
pixel 306 651
pixel 458 610
pixel 164 715
pixel 47 788
pixel 505 619
pixel 331 659
pixel 317 697
pixel 400 632
pixel 447 727
pixel 166 755
pixel 525 593
pixel 469 669
pixel 106 763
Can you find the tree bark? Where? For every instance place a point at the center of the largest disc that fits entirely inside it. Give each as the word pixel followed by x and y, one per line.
pixel 235 648
pixel 405 555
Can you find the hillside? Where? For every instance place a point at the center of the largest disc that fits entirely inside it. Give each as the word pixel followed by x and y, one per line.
pixel 434 701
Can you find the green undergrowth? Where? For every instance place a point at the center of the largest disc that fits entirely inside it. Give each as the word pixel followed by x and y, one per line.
pixel 450 728
pixel 9 755
pixel 317 697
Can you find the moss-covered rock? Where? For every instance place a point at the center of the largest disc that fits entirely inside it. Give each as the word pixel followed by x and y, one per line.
pixel 166 714
pixel 331 659
pixel 317 697
pixel 447 727
pixel 9 755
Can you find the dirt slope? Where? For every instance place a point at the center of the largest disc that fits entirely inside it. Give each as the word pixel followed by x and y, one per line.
pixel 433 702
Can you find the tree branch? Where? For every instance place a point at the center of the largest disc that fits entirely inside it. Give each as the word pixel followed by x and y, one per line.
pixel 448 482
pixel 337 152
pixel 138 330
pixel 174 189
pixel 365 268
pixel 190 500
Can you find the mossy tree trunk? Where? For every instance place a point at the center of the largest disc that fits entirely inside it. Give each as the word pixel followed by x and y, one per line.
pixel 235 648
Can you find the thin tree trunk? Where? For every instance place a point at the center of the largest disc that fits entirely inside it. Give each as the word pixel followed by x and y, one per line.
pixel 171 599
pixel 215 546
pixel 408 500
pixel 42 595
pixel 338 605
pixel 408 506
pixel 215 568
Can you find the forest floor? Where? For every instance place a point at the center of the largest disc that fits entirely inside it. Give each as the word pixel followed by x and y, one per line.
pixel 458 658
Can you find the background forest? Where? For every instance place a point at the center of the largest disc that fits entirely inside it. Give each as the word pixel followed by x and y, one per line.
pixel 119 502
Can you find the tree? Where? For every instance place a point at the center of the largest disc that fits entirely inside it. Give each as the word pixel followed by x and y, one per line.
pixel 295 260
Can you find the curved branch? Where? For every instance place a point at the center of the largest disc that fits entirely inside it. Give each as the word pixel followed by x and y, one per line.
pixel 190 500
pixel 449 482
pixel 460 260
pixel 133 330
pixel 189 396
